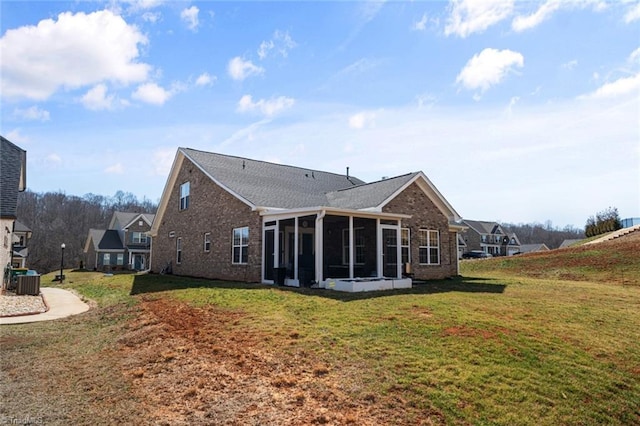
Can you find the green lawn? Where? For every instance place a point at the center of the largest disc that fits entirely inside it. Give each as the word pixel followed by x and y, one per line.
pixel 489 348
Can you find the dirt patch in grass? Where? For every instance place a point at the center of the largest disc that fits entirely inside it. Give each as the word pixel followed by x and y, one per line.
pixel 200 366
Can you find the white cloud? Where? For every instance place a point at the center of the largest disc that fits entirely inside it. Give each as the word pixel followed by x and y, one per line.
pixel 97 98
pixel 523 23
pixel 281 42
pixel 512 103
pixel 426 100
pixel 620 87
pixel 116 169
pixel 362 120
pixel 239 69
pixel 470 16
pixel 152 17
pixel 190 17
pixel 76 50
pixel 54 158
pixel 205 79
pixel 151 93
pixel 488 68
pixel 633 14
pixel 570 65
pixel 268 108
pixel 634 57
pixel 33 113
pixel 421 25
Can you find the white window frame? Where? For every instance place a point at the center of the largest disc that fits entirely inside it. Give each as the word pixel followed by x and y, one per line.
pixel 426 243
pixel 185 192
pixel 106 258
pixel 406 246
pixel 240 242
pixel 207 242
pixel 178 250
pixel 142 237
pixel 120 259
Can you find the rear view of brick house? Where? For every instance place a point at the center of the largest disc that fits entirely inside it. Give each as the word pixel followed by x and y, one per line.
pixel 232 218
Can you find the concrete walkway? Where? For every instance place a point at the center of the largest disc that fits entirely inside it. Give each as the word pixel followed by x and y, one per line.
pixel 62 303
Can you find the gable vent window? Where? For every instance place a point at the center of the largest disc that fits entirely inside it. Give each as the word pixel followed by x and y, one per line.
pixel 184 196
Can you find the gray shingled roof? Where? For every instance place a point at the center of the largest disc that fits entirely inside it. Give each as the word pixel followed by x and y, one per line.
pixel 275 185
pixel 369 194
pixel 271 185
pixel 480 226
pixel 11 162
pixel 105 239
pixel 124 218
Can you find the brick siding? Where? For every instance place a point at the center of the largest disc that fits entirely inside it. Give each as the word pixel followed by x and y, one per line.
pixel 213 210
pixel 425 215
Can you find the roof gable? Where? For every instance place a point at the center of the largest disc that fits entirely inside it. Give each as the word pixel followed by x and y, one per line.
pixel 122 220
pixel 262 185
pixel 104 240
pixel 13 175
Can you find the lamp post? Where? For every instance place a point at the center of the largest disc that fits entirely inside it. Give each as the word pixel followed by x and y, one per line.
pixel 62 246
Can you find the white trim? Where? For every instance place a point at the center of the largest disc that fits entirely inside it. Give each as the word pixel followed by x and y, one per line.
pixel 428 247
pixel 140 216
pixel 275 214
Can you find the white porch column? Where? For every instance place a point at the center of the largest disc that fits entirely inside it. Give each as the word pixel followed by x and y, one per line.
pixel 295 249
pixel 380 248
pixel 399 250
pixel 351 248
pixel 319 245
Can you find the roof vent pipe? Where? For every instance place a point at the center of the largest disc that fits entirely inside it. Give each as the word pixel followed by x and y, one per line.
pixel 347 172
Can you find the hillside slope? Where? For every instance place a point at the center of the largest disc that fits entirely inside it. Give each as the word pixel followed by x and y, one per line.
pixel 616 261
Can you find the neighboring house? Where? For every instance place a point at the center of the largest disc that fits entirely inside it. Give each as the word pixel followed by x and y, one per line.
pixel 21 237
pixel 232 218
pixel 629 222
pixel 489 237
pixel 569 243
pixel 462 246
pixel 126 244
pixel 531 248
pixel 13 179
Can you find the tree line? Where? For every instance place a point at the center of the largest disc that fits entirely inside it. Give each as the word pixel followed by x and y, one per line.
pixel 536 233
pixel 56 218
pixel 604 221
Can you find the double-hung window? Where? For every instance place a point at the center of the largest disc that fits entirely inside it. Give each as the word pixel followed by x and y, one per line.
pixel 106 259
pixel 405 241
pixel 138 238
pixel 185 189
pixel 120 259
pixel 429 247
pixel 240 246
pixel 207 242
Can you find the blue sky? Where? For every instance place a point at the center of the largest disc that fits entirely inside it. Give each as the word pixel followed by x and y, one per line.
pixel 517 111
